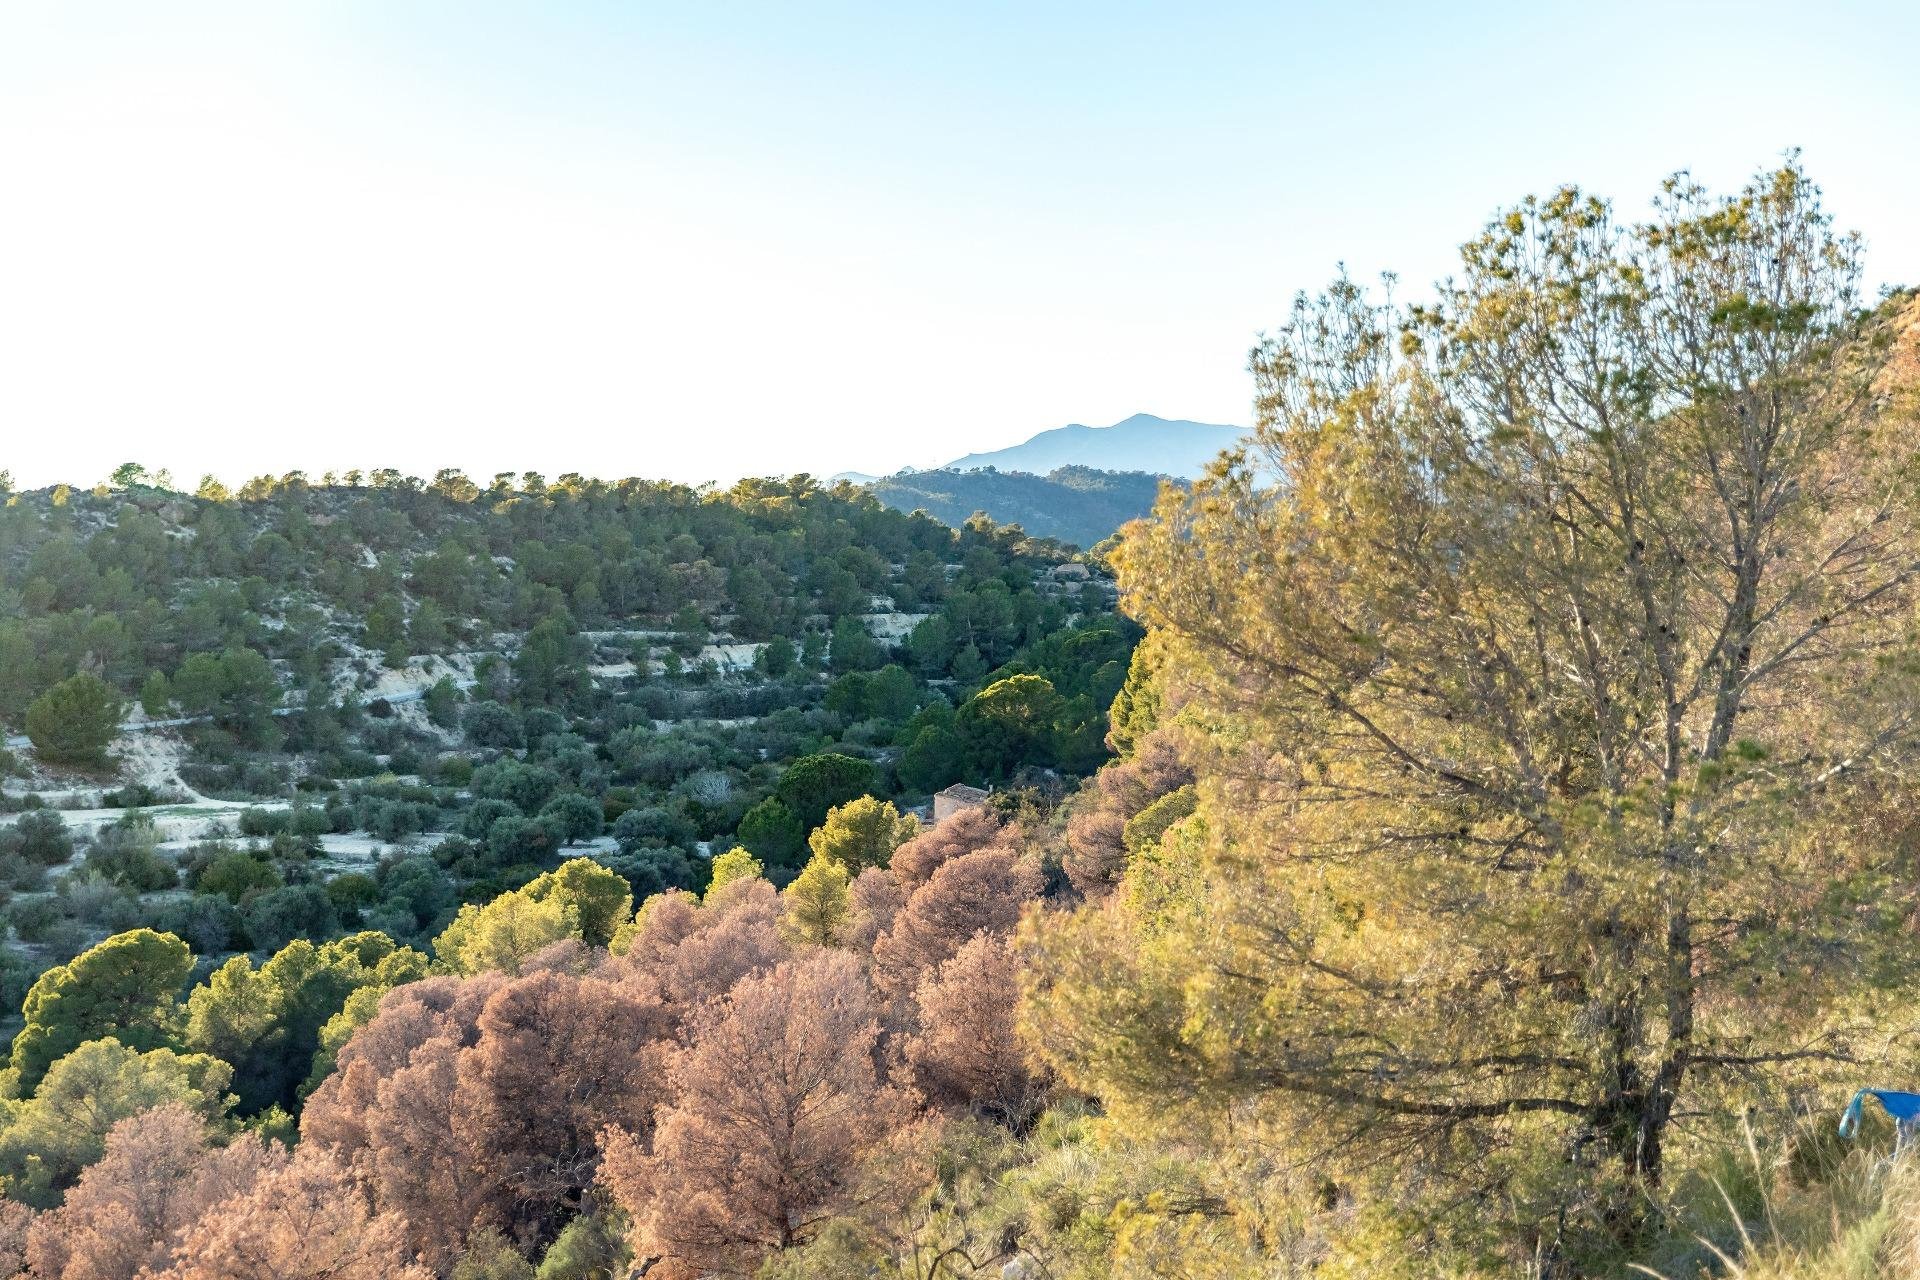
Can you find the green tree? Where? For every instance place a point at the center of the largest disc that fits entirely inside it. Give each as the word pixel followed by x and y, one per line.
pixel 387 629
pixel 930 646
pixel 442 700
pixel 813 651
pixel 756 605
pixel 776 658
pixel 847 695
pixel 1009 723
pixel 734 864
pixel 1136 708
pixel 197 684
pixel 968 665
pixel 591 1247
pixel 75 721
pixel 935 758
pixel 427 631
pixel 122 988
pixel 49 1139
pixel 771 831
pixel 1079 744
pixel 599 899
pixel 236 687
pixel 814 907
pixel 249 691
pixel 580 899
pixel 156 696
pixel 266 1022
pixel 862 833
pixel 504 932
pixel 1144 829
pixel 550 667
pixel 1553 645
pixel 690 626
pixel 891 694
pixel 489 1256
pixel 840 593
pixel 579 816
pixel 816 783
pixel 854 648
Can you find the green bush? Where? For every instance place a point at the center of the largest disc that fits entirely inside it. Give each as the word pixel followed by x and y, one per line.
pixel 234 875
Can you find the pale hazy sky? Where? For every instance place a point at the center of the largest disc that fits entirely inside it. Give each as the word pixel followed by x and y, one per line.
pixel 712 238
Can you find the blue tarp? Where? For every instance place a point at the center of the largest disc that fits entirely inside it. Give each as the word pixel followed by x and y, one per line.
pixel 1903 1107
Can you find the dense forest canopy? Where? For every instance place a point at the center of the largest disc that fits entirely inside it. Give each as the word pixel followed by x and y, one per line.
pixel 1479 844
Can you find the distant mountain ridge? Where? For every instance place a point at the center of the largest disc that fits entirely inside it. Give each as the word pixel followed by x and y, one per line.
pixel 1079 505
pixel 1160 446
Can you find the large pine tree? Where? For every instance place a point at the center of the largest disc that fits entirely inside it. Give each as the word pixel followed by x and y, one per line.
pixel 1553 650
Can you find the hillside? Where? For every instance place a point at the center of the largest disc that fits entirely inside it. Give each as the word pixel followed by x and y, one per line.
pixel 255 717
pixel 1158 446
pixel 1076 505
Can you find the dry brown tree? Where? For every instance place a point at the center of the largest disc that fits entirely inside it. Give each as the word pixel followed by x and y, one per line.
pixel 776 1099
pixel 306 1221
pixel 159 1175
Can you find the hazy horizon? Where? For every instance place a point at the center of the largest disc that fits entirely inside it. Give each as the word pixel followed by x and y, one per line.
pixel 158 474
pixel 699 243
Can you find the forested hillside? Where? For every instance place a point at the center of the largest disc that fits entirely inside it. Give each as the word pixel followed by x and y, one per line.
pixel 291 711
pixel 1077 505
pixel 1480 845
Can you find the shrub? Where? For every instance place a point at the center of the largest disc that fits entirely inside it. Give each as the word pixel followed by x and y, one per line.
pixel 352 892
pixel 454 771
pixel 264 822
pixel 91 897
pixel 127 854
pixel 33 919
pixel 480 816
pixel 234 875
pixel 19 873
pixel 137 795
pixel 651 827
pixel 278 916
pixel 206 922
pixel 43 837
pixel 489 724
pixel 525 839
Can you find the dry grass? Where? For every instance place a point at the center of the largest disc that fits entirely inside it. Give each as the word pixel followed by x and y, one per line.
pixel 1860 1221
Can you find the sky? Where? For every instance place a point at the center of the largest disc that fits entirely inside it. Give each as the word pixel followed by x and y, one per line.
pixel 703 240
